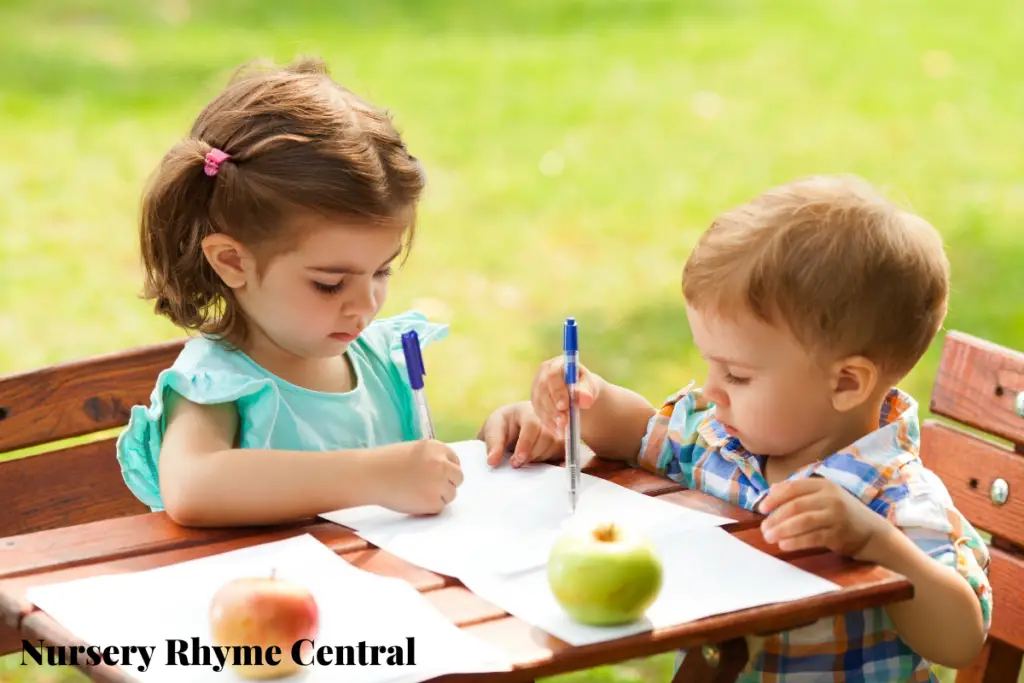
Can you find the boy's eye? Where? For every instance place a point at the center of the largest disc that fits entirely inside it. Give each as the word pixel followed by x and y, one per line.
pixel 327 289
pixel 733 379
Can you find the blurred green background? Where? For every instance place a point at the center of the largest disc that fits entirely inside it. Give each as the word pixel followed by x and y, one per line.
pixel 574 150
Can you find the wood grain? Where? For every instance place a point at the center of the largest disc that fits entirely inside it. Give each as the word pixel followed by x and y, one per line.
pixel 62 488
pixel 967 466
pixel 731 658
pixel 79 397
pixel 697 500
pixel 1007 578
pixel 139 535
pixel 997 663
pixel 10 639
pixel 977 384
pixel 640 481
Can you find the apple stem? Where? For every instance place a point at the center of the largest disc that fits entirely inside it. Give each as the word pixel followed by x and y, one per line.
pixel 606 532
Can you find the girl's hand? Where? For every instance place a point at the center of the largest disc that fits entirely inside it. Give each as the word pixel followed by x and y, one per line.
pixel 517 423
pixel 815 513
pixel 550 395
pixel 418 477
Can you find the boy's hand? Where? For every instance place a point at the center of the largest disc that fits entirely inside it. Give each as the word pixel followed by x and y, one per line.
pixel 550 395
pixel 518 423
pixel 816 513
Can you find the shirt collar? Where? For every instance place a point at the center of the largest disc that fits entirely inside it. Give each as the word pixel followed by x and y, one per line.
pixel 861 468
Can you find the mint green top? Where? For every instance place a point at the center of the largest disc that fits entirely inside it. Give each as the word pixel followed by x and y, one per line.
pixel 276 414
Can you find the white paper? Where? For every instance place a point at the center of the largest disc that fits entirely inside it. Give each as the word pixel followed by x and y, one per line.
pixel 154 606
pixel 497 535
pixel 706 572
pixel 504 520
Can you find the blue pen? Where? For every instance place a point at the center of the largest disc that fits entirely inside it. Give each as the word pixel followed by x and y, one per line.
pixel 570 351
pixel 414 366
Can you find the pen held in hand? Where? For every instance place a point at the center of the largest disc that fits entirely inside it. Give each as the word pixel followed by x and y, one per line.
pixel 570 350
pixel 414 366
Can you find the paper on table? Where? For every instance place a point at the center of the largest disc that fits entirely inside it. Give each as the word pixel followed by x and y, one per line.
pixel 156 606
pixel 504 520
pixel 706 572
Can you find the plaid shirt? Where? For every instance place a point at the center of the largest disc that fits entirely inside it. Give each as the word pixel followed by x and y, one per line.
pixel 686 443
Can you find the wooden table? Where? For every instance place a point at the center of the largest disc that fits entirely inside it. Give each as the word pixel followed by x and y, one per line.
pixel 151 540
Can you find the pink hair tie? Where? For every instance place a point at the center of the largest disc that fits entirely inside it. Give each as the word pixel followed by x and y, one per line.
pixel 214 158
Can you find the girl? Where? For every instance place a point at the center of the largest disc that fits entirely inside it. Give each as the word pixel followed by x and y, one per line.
pixel 271 230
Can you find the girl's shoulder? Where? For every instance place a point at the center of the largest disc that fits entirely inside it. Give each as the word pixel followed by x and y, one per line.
pixel 384 335
pixel 206 372
pixel 381 342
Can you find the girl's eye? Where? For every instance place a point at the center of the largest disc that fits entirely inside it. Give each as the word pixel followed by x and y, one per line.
pixel 327 289
pixel 733 379
pixel 386 272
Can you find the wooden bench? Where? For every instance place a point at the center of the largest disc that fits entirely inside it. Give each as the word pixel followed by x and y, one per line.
pixel 60 486
pixel 981 386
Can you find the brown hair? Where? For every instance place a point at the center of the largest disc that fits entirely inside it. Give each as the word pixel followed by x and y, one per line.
pixel 297 142
pixel 834 261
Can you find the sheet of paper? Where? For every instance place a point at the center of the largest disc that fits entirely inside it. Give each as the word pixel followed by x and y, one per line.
pixel 158 606
pixel 706 572
pixel 504 520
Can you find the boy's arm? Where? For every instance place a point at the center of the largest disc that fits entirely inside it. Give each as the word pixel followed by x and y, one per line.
pixel 947 562
pixel 616 423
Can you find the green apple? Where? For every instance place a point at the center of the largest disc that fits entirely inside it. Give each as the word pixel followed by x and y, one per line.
pixel 604 574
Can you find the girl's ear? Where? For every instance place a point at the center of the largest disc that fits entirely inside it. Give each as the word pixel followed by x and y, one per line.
pixel 227 257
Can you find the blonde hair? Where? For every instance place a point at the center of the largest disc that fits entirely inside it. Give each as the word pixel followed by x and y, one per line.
pixel 831 259
pixel 297 142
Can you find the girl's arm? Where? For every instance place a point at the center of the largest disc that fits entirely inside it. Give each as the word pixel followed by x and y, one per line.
pixel 206 481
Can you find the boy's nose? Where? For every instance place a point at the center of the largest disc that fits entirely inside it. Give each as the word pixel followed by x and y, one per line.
pixel 714 393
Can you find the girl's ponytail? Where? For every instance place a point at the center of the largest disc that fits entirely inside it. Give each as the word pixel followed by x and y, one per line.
pixel 175 219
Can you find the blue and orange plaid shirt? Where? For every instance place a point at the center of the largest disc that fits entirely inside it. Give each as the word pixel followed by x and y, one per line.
pixel 686 443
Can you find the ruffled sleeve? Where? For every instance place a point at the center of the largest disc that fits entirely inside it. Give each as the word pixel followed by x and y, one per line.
pixel 382 341
pixel 138 446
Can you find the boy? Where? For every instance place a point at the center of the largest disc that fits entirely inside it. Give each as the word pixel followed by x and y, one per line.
pixel 809 304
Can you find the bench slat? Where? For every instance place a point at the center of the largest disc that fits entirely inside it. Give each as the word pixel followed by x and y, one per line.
pixel 967 466
pixel 80 397
pixel 65 487
pixel 978 383
pixel 1007 577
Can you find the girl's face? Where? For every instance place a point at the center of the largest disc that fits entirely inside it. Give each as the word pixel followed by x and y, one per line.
pixel 315 299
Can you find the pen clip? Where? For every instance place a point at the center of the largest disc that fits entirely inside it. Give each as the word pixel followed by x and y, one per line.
pixel 413 359
pixel 570 347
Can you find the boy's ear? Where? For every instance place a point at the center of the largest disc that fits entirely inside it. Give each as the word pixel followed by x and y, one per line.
pixel 227 257
pixel 854 380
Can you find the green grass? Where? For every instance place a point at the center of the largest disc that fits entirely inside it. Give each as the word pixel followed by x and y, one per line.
pixel 574 150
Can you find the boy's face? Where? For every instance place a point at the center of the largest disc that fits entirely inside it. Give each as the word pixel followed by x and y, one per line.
pixel 769 392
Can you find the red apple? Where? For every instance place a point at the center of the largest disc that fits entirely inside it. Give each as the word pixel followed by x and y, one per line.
pixel 264 611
